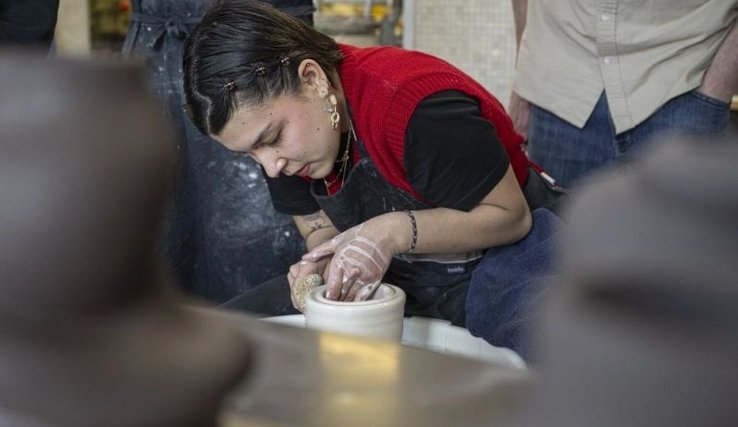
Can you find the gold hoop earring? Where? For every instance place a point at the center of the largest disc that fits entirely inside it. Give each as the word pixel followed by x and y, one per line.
pixel 332 108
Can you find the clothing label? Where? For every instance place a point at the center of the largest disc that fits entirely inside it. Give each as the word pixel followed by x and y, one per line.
pixel 456 269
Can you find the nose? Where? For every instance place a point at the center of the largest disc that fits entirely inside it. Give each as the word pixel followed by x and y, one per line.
pixel 273 165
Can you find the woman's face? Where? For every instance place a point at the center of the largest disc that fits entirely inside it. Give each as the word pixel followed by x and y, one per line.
pixel 290 135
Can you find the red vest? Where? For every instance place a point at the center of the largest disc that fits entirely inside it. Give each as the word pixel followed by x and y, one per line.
pixel 383 85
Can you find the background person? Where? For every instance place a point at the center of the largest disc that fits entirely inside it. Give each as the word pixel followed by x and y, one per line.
pixel 596 80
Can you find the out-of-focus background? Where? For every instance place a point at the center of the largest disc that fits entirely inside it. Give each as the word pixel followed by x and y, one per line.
pixel 475 35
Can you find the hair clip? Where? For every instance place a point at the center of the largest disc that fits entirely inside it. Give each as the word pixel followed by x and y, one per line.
pixel 260 70
pixel 284 60
pixel 230 84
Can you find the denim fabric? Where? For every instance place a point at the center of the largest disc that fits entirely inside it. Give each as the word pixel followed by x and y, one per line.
pixel 508 285
pixel 28 23
pixel 569 153
pixel 223 235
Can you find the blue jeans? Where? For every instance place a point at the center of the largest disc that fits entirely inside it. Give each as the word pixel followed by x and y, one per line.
pixel 569 153
pixel 510 284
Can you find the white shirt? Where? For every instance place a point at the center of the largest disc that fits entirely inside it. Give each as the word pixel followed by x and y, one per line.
pixel 641 53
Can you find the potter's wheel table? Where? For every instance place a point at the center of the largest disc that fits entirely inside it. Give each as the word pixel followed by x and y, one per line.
pixel 307 378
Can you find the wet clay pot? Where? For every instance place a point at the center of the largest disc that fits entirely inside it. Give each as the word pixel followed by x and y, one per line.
pixel 91 333
pixel 379 317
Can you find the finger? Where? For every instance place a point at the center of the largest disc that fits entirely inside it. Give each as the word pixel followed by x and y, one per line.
pixel 298 270
pixel 350 283
pixel 366 291
pixel 335 283
pixel 320 251
pixel 293 298
pixel 353 284
pixel 345 286
pixel 304 268
pixel 291 278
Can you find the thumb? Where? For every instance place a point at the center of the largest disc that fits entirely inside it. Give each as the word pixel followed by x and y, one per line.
pixel 321 251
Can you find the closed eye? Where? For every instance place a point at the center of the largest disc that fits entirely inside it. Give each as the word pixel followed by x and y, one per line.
pixel 276 140
pixel 271 142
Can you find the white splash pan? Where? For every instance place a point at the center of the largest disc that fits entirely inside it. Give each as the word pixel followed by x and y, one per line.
pixel 439 336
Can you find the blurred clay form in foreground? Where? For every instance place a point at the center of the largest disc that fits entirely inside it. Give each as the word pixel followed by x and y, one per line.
pixel 90 332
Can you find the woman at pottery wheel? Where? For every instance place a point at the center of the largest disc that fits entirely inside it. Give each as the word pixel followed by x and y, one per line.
pixel 395 165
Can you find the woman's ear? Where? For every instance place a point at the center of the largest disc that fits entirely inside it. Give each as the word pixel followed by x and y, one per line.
pixel 314 77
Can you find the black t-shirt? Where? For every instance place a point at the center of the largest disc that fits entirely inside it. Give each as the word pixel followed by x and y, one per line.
pixel 453 158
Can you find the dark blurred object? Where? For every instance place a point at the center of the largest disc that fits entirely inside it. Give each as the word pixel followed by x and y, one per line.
pixel 28 22
pixel 644 329
pixel 91 333
pixel 224 236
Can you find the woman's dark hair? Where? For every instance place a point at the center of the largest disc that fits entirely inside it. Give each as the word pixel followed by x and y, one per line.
pixel 247 52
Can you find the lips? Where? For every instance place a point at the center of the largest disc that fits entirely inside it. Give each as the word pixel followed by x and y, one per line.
pixel 303 172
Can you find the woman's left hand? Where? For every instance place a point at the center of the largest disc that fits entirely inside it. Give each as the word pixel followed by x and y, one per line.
pixel 361 257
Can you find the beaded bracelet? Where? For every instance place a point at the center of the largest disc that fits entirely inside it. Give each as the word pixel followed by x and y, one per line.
pixel 414 229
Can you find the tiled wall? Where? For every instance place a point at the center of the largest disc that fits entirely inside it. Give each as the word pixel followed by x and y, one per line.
pixel 477 36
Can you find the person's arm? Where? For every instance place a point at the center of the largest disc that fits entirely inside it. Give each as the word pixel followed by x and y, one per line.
pixel 362 254
pixel 520 10
pixel 502 217
pixel 315 228
pixel 291 195
pixel 721 78
pixel 519 108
